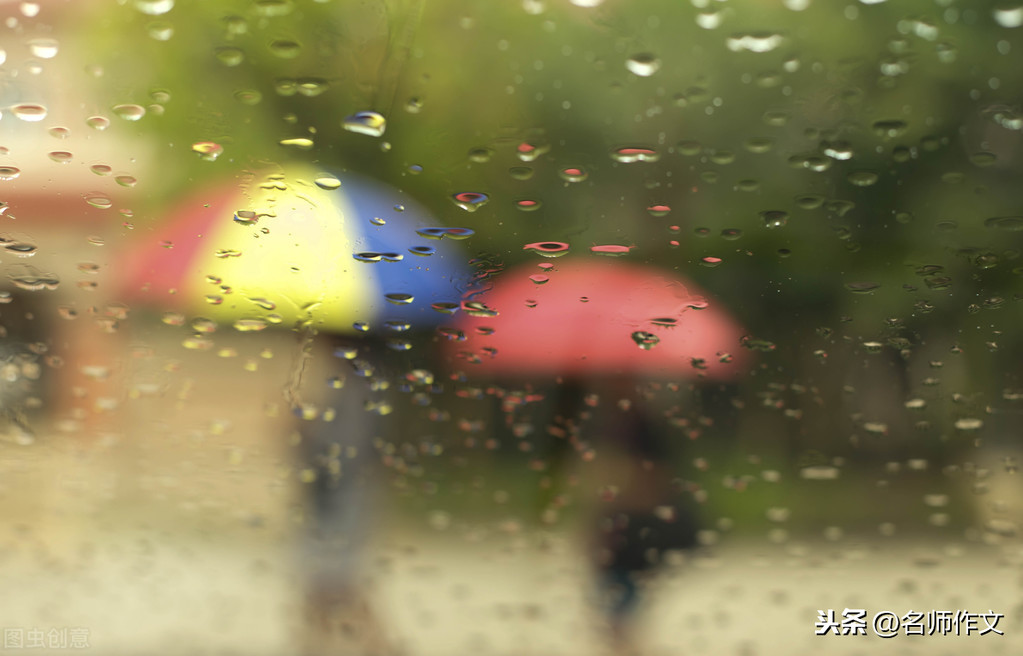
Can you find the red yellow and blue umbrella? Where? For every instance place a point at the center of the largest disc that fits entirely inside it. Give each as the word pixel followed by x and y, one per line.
pixel 339 252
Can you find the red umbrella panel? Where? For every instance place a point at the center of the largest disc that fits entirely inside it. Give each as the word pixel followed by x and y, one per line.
pixel 597 317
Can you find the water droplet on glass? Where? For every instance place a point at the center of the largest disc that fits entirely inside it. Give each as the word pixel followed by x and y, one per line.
pixel 445 307
pixel 35 283
pixel 204 325
pixel 521 172
pixel 528 205
pixel 754 42
pixel 372 124
pixel 890 128
pixel 98 122
pixel 477 309
pixel 613 250
pixel 99 201
pixel 249 325
pixel 819 473
pixel 1010 223
pixel 208 150
pixel 645 340
pixel 9 172
pixel 710 20
pixel 810 201
pixel 862 178
pixel 1008 16
pixel 470 201
pixel 983 158
pixel 130 112
pixel 398 298
pixel 862 287
pixel 154 7
pixel 126 180
pixel 248 96
pixel 776 117
pixel 630 154
pixel 481 155
pixel 759 145
pixel 299 143
pixel 816 163
pixel 548 248
pixel 756 344
pixel 29 112
pixel 61 156
pixel 689 148
pixel 263 304
pixel 229 55
pixel 643 64
pixel 722 157
pixel 160 30
pixel 246 217
pixel 327 182
pixel 21 249
pixel 60 132
pixel 285 48
pixel 449 233
pixel 529 152
pixel 422 250
pixel 274 8
pixel 969 423
pixel 840 150
pixel 43 48
pixel 101 169
pixel 573 174
pixel 731 234
pixel 774 218
pixel 710 261
pixel 173 318
pixel 286 87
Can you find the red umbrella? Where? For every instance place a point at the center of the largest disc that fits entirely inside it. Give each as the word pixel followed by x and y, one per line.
pixel 588 317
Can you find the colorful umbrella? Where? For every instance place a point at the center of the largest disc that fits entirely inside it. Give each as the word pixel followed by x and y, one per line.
pixel 340 251
pixel 599 316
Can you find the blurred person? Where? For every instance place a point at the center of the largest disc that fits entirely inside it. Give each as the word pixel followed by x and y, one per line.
pixel 641 513
pixel 331 262
pixel 607 331
pixel 20 370
pixel 59 318
pixel 339 411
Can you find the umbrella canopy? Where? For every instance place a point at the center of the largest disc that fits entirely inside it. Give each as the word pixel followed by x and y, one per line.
pixel 598 317
pixel 297 246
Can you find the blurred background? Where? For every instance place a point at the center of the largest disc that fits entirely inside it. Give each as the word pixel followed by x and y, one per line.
pixel 525 272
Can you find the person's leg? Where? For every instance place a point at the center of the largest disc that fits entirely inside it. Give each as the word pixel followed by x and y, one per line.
pixel 619 598
pixel 338 471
